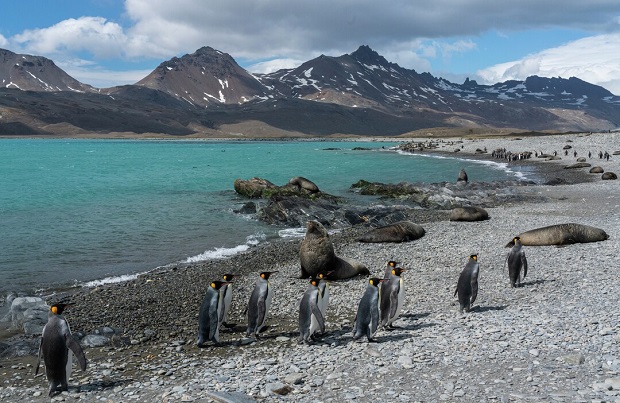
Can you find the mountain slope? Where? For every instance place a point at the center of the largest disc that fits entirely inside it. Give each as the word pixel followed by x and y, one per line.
pixel 205 77
pixel 36 73
pixel 358 93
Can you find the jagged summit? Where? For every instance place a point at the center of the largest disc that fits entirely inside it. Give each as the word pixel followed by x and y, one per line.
pixel 205 77
pixel 35 73
pixel 357 93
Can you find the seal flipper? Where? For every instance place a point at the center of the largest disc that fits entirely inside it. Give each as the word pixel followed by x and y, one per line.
pixel 77 350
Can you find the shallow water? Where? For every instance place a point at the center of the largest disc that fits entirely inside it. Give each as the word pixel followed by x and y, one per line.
pixel 75 211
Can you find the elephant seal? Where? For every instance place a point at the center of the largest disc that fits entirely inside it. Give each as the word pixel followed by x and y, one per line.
pixel 316 254
pixel 561 234
pixel 303 183
pixel 468 213
pixel 401 231
pixel 597 170
pixel 609 176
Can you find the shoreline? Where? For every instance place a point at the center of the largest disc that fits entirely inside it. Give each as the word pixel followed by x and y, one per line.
pixel 165 302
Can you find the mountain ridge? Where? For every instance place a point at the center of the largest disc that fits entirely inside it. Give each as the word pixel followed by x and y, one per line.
pixel 208 91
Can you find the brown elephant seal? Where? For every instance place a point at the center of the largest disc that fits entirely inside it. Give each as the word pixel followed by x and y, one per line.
pixel 402 231
pixel 597 170
pixel 303 183
pixel 468 213
pixel 561 234
pixel 609 176
pixel 316 254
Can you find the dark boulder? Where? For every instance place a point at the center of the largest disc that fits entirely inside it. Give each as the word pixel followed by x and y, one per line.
pixel 253 188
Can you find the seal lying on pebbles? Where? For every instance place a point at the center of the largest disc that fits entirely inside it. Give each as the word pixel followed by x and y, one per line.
pixel 401 231
pixel 316 254
pixel 561 234
pixel 468 213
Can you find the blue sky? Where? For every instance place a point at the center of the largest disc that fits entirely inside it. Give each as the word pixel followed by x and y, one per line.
pixel 113 42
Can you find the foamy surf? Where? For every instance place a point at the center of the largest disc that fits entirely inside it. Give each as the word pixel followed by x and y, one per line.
pixel 221 253
pixel 111 280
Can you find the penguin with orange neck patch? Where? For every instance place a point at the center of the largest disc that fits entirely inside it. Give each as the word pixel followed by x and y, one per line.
pixel 57 349
pixel 210 316
pixel 467 286
pixel 259 303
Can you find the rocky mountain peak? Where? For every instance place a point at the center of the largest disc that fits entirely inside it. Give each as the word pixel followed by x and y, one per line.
pixel 35 73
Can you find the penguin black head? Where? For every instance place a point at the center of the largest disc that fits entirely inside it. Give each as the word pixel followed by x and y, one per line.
pixel 58 309
pixel 375 281
pixel 392 263
pixel 324 274
pixel 397 271
pixel 216 285
pixel 315 282
pixel 515 239
pixel 474 257
pixel 229 277
pixel 266 274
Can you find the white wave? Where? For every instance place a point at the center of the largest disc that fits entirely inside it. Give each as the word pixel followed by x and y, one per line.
pixel 221 253
pixel 292 232
pixel 111 280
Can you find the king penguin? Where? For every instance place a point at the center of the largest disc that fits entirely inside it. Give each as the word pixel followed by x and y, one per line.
pixel 260 300
pixel 211 313
pixel 323 286
pixel 392 297
pixel 516 261
pixel 310 316
pixel 226 291
pixel 467 286
pixel 367 317
pixel 57 348
pixel 388 269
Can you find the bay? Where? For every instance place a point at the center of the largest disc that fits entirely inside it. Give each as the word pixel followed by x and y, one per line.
pixel 75 211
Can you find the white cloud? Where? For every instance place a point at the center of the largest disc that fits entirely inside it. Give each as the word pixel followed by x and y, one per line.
pixel 595 59
pixel 274 65
pixel 288 31
pixel 99 37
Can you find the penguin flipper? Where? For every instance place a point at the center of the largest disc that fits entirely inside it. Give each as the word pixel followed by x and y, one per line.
pixel 262 311
pixel 36 370
pixel 319 317
pixel 393 301
pixel 524 263
pixel 474 291
pixel 77 350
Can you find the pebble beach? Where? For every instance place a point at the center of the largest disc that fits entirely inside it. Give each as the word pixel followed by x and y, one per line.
pixel 556 338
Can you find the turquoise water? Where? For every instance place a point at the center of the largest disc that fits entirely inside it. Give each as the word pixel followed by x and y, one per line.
pixel 74 211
